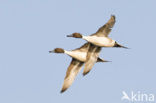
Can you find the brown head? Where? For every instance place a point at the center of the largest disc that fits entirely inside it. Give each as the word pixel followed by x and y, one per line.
pixel 57 50
pixel 75 35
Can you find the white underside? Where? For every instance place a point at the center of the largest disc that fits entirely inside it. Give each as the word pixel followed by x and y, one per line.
pixel 100 41
pixel 81 56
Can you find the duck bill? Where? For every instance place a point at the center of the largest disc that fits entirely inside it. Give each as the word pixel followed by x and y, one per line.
pixel 70 35
pixel 52 51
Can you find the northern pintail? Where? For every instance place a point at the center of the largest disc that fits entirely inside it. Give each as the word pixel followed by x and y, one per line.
pixel 98 40
pixel 78 58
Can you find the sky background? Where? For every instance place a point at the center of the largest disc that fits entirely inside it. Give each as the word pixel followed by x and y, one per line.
pixel 30 28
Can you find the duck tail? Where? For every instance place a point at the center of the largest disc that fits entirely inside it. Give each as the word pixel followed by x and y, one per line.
pixel 102 60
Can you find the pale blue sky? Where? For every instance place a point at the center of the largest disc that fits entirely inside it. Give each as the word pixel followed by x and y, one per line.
pixel 30 28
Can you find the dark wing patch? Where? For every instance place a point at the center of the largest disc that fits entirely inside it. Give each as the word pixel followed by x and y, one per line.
pixel 106 29
pixel 72 71
pixel 92 56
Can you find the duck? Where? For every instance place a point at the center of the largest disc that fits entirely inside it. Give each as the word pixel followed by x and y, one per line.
pixel 98 40
pixel 78 59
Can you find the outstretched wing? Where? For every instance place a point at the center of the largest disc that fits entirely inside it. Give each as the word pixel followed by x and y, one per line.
pixel 84 47
pixel 106 29
pixel 92 56
pixel 72 71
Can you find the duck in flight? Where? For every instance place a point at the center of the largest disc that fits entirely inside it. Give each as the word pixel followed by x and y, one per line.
pixel 78 58
pixel 98 40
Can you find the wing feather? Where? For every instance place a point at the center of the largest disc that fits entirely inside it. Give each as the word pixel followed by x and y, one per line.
pixel 92 56
pixel 84 47
pixel 71 73
pixel 106 29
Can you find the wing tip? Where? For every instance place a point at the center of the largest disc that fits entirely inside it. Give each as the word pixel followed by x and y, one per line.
pixel 85 73
pixel 63 90
pixel 112 15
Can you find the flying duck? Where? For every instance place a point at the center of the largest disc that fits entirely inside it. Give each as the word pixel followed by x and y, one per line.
pixel 78 58
pixel 98 40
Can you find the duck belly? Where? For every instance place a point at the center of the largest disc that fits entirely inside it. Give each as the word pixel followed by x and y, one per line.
pixel 81 56
pixel 100 41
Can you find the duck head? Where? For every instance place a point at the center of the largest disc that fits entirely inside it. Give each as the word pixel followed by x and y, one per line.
pixel 57 50
pixel 119 46
pixel 75 35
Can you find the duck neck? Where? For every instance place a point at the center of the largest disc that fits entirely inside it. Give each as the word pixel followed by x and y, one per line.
pixel 84 37
pixel 66 52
